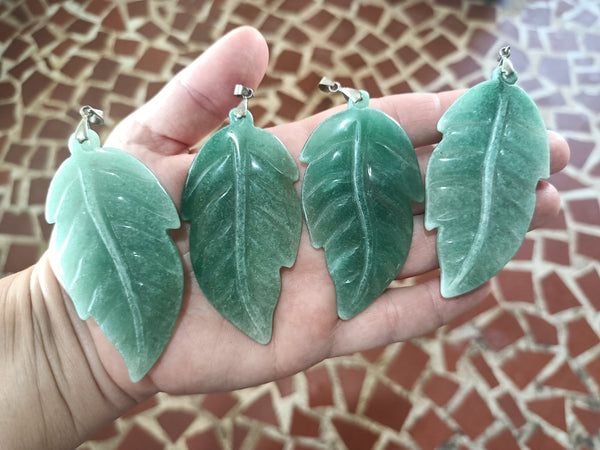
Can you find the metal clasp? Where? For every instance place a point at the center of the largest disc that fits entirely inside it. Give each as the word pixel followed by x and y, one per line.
pixel 503 61
pixel 327 85
pixel 245 93
pixel 90 116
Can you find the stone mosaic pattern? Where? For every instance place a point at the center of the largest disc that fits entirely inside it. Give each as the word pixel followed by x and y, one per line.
pixel 520 371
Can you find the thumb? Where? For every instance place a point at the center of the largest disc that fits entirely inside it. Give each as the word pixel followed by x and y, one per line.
pixel 199 97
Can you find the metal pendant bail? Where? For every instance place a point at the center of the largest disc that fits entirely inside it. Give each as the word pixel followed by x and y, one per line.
pixel 327 85
pixel 89 116
pixel 245 93
pixel 503 61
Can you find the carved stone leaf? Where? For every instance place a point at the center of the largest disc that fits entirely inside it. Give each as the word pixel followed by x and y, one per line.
pixel 481 181
pixel 112 251
pixel 356 195
pixel 245 222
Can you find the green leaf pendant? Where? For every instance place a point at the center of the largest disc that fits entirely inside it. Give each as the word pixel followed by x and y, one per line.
pixel 481 180
pixel 245 222
pixel 356 195
pixel 112 251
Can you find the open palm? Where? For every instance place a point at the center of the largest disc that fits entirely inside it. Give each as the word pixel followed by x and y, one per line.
pixel 206 353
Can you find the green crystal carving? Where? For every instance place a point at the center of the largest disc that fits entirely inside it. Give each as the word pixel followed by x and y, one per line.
pixel 356 195
pixel 112 250
pixel 245 222
pixel 481 181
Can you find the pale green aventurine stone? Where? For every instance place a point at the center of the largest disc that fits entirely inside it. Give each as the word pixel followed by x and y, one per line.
pixel 112 251
pixel 481 181
pixel 356 195
pixel 245 222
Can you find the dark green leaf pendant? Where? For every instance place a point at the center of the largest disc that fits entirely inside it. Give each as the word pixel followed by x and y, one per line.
pixel 356 196
pixel 481 179
pixel 245 220
pixel 111 248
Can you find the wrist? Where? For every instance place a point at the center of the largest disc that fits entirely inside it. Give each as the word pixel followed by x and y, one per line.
pixel 51 378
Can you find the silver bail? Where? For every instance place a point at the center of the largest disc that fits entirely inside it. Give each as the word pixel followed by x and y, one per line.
pixel 503 61
pixel 245 93
pixel 89 116
pixel 327 85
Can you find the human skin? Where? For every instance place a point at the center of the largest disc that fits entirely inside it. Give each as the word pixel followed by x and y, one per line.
pixel 61 379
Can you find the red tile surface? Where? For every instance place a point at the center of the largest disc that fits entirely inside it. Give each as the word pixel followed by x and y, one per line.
pixel 512 410
pixel 557 252
pixel 373 354
pixel 473 415
pixel 502 331
pixel 525 252
pixel 542 331
pixel 524 366
pixel 175 422
pixel 354 436
pixel 319 387
pixel 557 295
pixel 586 211
pixel 387 407
pixel 565 378
pixel 105 433
pixel 479 362
pixel 267 442
pixel 535 332
pixel 503 441
pixel 588 245
pixel 240 433
pixel 138 438
pixel 219 404
pixel 589 283
pixel 580 337
pixel 564 182
pixel 552 410
pixel 351 381
pixel 285 386
pixel 541 441
pixel 440 389
pixel 408 365
pixel 202 440
pixel 589 418
pixel 304 424
pixel 262 409
pixel 394 446
pixel 452 352
pixel 429 431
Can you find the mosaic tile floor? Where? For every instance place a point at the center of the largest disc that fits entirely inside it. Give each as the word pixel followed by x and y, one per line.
pixel 520 371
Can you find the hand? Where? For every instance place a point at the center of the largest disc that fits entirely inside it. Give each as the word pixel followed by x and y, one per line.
pixel 206 353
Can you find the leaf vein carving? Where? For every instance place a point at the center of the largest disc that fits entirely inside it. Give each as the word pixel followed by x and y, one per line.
pixel 488 176
pixel 360 200
pixel 106 234
pixel 241 210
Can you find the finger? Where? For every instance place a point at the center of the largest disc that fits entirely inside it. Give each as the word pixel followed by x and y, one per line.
pixel 401 314
pixel 547 204
pixel 422 256
pixel 418 114
pixel 559 157
pixel 559 152
pixel 199 97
